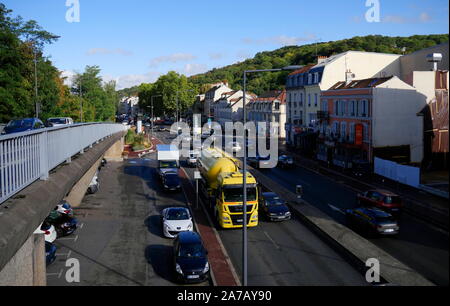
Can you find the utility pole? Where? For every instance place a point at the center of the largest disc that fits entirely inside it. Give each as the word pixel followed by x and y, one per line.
pixel 81 101
pixel 35 83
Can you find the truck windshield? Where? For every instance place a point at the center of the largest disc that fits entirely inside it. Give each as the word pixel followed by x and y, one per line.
pixel 168 164
pixel 236 194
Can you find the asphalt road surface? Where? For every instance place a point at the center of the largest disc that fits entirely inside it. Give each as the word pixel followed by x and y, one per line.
pixel 285 254
pixel 120 241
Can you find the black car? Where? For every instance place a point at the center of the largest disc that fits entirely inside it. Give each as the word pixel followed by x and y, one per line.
pixel 285 161
pixel 372 221
pixel 50 253
pixel 259 162
pixel 190 260
pixel 63 223
pixel 273 207
pixel 23 125
pixel 171 181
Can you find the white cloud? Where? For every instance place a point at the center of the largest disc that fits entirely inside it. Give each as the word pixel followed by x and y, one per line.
pixel 216 56
pixel 193 69
pixel 104 51
pixel 281 40
pixel 173 58
pixel 130 80
pixel 424 17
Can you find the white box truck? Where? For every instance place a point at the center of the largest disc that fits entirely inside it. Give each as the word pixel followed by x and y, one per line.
pixel 168 158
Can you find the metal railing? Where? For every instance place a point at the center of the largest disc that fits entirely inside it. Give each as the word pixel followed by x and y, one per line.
pixel 29 156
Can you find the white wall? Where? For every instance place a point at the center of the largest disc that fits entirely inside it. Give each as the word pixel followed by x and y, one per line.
pixel 394 117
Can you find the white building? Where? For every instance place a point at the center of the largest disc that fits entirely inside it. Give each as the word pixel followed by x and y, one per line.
pixel 270 107
pixel 304 87
pixel 212 96
pixel 129 106
pixel 229 108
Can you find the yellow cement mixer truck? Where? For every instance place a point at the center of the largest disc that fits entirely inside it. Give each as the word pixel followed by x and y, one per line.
pixel 222 188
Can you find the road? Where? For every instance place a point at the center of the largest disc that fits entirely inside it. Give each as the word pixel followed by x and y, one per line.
pixel 285 254
pixel 120 242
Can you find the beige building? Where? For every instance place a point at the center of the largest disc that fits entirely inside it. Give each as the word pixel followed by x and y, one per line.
pixel 229 108
pixel 270 107
pixel 212 96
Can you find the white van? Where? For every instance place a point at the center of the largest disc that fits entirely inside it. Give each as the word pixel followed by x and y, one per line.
pixel 60 121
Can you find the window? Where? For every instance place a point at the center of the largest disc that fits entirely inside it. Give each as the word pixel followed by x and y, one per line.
pixel 325 105
pixel 309 100
pixel 343 130
pixel 277 105
pixel 309 78
pixel 315 100
pixel 295 97
pixel 351 134
pixel 336 107
pixel 352 109
pixel 366 132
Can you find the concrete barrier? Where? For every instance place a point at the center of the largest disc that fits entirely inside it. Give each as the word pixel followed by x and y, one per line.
pixel 22 214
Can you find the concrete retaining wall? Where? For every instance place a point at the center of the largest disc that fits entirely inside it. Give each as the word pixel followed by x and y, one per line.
pixel 21 215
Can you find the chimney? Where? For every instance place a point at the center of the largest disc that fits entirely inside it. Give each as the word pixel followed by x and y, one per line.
pixel 434 58
pixel 321 59
pixel 349 76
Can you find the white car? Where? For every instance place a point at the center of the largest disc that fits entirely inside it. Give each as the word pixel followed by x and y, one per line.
pixel 176 220
pixel 60 121
pixel 48 230
pixel 94 185
pixel 192 159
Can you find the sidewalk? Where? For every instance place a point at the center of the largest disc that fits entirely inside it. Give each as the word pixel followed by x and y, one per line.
pixel 419 203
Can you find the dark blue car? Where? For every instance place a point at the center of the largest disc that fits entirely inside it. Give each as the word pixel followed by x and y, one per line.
pixel 274 208
pixel 171 181
pixel 50 253
pixel 23 125
pixel 190 258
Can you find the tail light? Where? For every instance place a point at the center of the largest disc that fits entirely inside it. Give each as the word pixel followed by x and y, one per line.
pixel 67 211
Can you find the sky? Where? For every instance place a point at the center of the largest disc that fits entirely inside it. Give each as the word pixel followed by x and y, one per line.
pixel 135 41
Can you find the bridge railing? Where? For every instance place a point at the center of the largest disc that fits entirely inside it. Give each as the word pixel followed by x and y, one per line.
pixel 29 156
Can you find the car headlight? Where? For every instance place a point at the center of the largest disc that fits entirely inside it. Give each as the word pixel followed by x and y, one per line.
pixel 189 227
pixel 273 215
pixel 255 217
pixel 226 218
pixel 178 269
pixel 167 227
pixel 206 269
pixel 288 213
pixel 166 186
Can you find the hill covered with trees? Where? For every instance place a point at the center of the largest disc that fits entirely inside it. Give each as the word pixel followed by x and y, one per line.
pixel 307 54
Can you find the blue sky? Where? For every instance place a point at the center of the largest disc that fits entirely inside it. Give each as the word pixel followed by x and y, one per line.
pixel 135 41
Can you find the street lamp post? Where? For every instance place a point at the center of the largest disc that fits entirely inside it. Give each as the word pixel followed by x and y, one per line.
pixel 153 118
pixel 244 169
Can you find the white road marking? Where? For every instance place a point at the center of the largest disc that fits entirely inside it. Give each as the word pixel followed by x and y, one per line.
pixel 56 274
pixel 270 238
pixel 81 225
pixel 336 209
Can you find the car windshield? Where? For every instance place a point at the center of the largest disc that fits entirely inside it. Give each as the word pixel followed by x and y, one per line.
pixel 193 250
pixel 168 164
pixel 392 200
pixel 177 214
pixel 57 120
pixel 274 201
pixel 20 123
pixel 236 194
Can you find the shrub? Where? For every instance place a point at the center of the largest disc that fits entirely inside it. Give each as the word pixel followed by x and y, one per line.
pixel 129 138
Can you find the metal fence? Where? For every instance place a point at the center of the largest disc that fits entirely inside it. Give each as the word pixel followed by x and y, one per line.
pixel 29 156
pixel 404 174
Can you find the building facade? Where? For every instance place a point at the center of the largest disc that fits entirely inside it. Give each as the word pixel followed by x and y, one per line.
pixel 212 96
pixel 270 108
pixel 230 107
pixel 371 117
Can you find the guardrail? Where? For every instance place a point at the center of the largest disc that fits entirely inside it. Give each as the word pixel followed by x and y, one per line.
pixel 29 156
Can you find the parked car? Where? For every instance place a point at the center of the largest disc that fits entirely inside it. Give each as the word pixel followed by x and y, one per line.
pixel 63 223
pixel 64 208
pixel 273 208
pixel 23 125
pixel 171 181
pixel 50 253
pixel 259 161
pixel 372 221
pixel 382 199
pixel 61 121
pixel 161 129
pixel 192 159
pixel 175 220
pixel 48 230
pixel 94 185
pixel 285 161
pixel 190 260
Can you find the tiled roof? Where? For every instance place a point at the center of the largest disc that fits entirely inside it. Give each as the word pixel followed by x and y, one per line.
pixel 302 70
pixel 271 96
pixel 366 83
